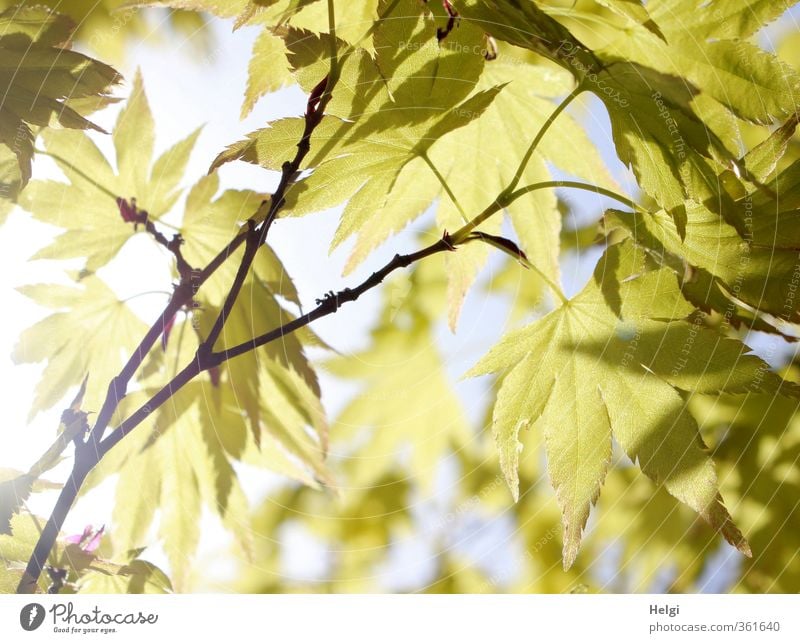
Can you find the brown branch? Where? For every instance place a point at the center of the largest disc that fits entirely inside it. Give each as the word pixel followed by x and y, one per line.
pixel 130 213
pixel 331 302
pixel 206 359
pixel 47 538
pixel 191 280
pixel 182 296
pixel 88 453
pixel 252 237
pixel 256 236
pixel 327 305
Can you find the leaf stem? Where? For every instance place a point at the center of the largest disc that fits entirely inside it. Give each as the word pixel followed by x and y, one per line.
pixel 503 201
pixel 333 73
pixel 540 135
pixel 578 185
pixel 554 287
pixel 446 187
pixel 333 301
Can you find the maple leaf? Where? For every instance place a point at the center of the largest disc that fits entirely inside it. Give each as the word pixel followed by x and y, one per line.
pixel 74 340
pixel 481 159
pixel 656 121
pixel 87 206
pixel 40 76
pixel 372 148
pixel 759 275
pixel 612 362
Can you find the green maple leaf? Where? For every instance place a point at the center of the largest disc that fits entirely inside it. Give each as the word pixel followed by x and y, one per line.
pixel 275 387
pixel 646 109
pixel 612 363
pixel 766 207
pixel 657 130
pixel 385 116
pixel 40 78
pixel 755 85
pixel 86 206
pixel 74 340
pixel 760 272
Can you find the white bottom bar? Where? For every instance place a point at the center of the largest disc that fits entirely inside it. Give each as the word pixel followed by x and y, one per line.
pixel 401 618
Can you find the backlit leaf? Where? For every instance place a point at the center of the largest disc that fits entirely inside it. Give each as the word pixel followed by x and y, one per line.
pixel 590 371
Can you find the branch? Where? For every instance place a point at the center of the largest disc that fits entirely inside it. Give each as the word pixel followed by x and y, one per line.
pixel 252 238
pixel 89 453
pixel 130 213
pixel 331 302
pixel 318 99
pixel 327 305
pixel 191 280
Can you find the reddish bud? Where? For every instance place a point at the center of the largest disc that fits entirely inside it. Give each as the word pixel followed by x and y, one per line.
pixel 127 210
pixel 89 540
pixel 167 329
pixel 214 374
